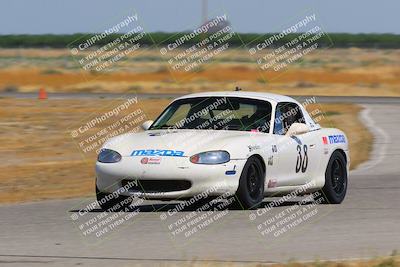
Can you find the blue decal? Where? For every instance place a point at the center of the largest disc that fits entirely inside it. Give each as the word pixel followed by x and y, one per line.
pixel 335 139
pixel 295 138
pixel 158 152
pixel 231 172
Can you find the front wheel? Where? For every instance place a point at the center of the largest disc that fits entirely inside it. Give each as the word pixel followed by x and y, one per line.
pixel 335 186
pixel 250 192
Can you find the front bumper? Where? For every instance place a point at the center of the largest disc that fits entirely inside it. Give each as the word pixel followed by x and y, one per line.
pixel 215 180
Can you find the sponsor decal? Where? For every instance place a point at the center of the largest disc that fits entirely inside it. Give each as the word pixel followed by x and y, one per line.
pixel 271 161
pixel 158 152
pixel 274 149
pixel 272 183
pixel 151 160
pixel 252 148
pixel 324 140
pixel 336 139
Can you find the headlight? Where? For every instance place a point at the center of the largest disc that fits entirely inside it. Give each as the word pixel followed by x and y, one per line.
pixel 108 156
pixel 210 157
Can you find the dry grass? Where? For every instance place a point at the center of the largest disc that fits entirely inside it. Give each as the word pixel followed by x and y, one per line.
pixel 358 72
pixel 40 160
pixel 392 261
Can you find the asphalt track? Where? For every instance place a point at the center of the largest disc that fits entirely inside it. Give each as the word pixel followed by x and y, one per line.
pixel 365 225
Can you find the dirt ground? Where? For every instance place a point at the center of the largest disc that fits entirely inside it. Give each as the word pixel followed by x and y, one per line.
pixel 355 72
pixel 42 159
pixel 392 261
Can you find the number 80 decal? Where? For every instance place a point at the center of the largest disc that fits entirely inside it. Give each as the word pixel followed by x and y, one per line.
pixel 302 160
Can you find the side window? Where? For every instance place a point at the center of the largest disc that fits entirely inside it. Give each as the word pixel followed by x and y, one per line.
pixel 278 125
pixel 286 114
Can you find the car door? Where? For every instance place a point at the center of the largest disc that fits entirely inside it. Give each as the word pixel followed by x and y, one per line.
pixel 293 156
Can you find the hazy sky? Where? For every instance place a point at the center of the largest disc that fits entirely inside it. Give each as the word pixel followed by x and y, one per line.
pixel 70 16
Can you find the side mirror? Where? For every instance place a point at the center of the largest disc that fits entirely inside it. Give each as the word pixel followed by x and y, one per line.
pixel 298 128
pixel 146 125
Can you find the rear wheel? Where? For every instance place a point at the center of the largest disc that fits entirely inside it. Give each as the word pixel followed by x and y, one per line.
pixel 334 190
pixel 251 184
pixel 108 202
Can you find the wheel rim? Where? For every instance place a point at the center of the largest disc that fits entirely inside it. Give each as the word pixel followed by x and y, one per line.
pixel 338 177
pixel 253 181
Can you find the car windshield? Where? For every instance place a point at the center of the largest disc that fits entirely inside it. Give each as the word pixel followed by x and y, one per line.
pixel 217 113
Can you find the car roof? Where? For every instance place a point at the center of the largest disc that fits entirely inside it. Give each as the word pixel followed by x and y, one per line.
pixel 274 98
pixel 257 95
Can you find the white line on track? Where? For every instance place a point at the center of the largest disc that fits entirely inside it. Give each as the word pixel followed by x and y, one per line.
pixel 381 139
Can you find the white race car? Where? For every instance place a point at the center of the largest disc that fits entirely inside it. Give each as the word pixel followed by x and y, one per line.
pixel 246 144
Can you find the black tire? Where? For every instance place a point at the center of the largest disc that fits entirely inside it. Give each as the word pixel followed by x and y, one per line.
pixel 334 190
pixel 250 192
pixel 108 202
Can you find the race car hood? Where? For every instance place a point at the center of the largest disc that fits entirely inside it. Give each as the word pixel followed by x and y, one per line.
pixel 189 142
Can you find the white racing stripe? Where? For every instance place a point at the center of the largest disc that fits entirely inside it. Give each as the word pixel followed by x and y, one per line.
pixel 381 139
